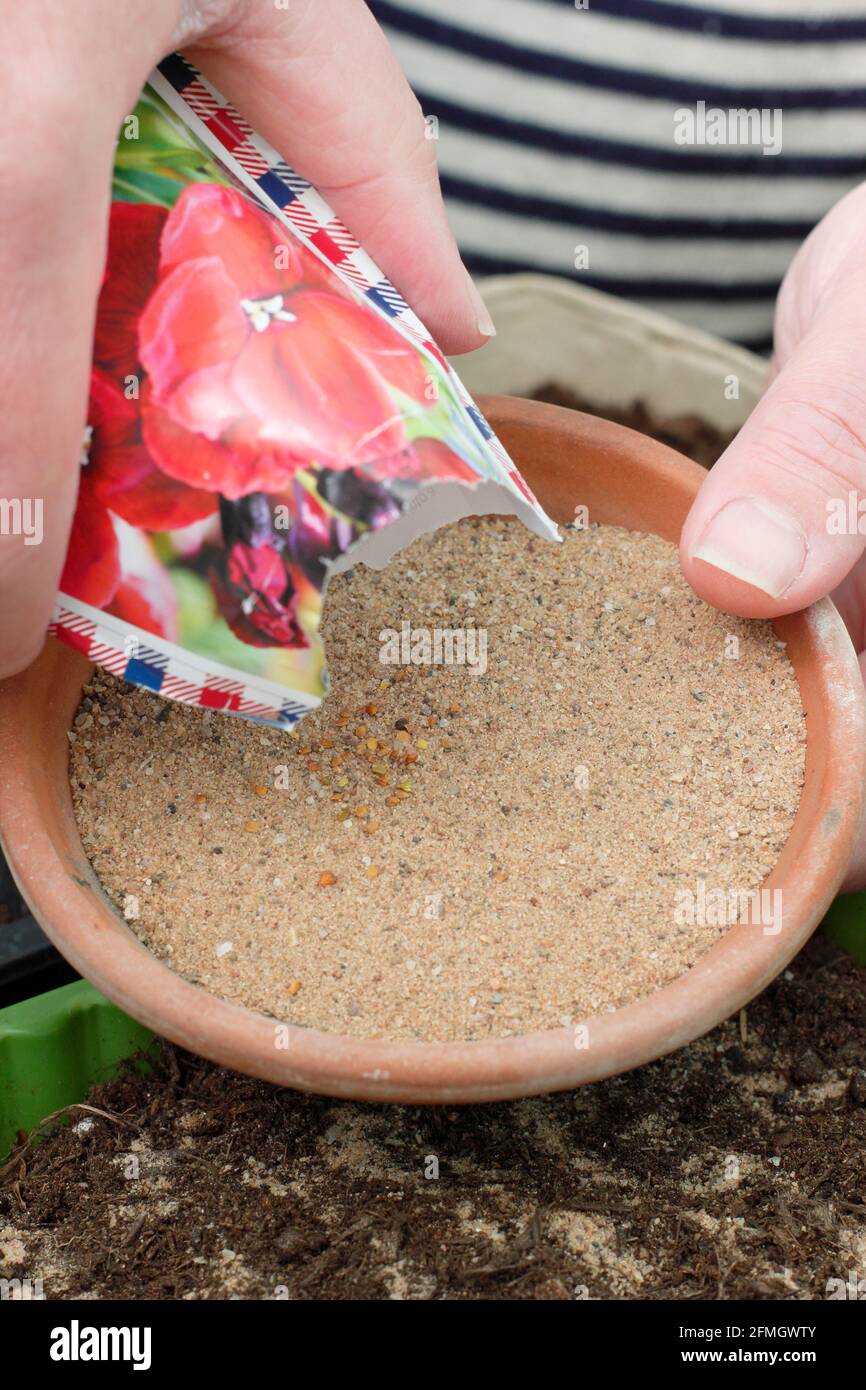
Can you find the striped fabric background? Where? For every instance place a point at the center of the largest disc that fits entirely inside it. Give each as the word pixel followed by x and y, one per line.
pixel 556 130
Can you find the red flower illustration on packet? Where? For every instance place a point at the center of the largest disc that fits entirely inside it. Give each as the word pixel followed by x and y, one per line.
pixel 119 478
pixel 290 371
pixel 257 594
pixel 234 372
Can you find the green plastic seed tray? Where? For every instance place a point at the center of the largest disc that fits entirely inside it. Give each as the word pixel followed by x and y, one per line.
pixel 53 1048
pixel 846 924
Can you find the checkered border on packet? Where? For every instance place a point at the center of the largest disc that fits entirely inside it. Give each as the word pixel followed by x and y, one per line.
pixel 148 661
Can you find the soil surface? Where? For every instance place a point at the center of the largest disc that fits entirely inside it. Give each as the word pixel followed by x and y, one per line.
pixel 390 870
pixel 732 1170
pixel 689 434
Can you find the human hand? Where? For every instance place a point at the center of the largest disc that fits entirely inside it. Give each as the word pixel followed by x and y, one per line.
pixel 316 79
pixel 770 531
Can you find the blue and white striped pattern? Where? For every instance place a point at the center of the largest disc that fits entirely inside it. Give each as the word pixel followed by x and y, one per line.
pixel 556 130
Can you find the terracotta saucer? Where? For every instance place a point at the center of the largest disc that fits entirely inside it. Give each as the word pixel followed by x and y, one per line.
pixel 569 459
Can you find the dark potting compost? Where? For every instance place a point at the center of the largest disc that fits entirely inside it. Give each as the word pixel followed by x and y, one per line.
pixel 730 1170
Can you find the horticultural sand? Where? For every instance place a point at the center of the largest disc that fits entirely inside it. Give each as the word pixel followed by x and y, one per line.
pixel 442 852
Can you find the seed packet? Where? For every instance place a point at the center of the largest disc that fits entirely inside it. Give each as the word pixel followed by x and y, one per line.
pixel 265 411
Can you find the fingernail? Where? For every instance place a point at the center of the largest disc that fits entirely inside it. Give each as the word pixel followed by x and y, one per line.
pixel 484 322
pixel 756 542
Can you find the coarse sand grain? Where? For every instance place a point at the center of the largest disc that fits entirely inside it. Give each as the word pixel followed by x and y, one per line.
pixel 456 851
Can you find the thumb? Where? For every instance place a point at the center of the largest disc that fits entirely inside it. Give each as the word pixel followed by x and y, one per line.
pixel 775 526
